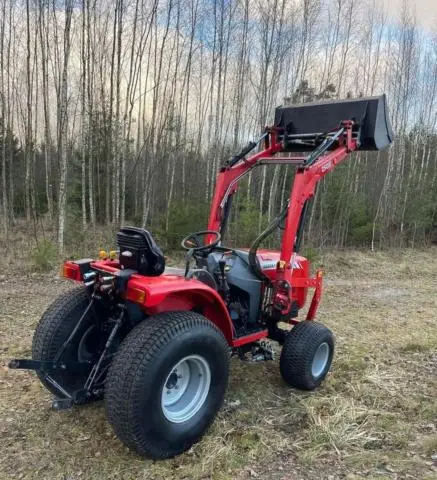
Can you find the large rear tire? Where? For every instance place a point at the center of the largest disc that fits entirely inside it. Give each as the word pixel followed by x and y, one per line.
pixel 306 356
pixel 54 328
pixel 167 383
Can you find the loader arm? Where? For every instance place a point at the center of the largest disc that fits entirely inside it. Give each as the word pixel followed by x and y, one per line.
pixel 315 127
pixel 310 170
pixel 334 149
pixel 304 187
pixel 230 175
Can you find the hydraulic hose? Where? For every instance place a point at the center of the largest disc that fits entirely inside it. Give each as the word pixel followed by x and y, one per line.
pixel 253 259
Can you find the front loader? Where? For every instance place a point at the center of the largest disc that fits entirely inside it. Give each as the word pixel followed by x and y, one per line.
pixel 155 343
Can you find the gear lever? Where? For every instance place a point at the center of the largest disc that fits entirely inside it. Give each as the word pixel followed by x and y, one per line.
pixel 223 287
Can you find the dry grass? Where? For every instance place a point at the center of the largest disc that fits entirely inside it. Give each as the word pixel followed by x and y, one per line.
pixel 375 416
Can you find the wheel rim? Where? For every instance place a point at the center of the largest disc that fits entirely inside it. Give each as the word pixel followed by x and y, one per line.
pixel 320 360
pixel 185 389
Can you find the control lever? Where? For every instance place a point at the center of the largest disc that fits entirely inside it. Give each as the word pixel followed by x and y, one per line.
pixel 223 287
pixel 188 257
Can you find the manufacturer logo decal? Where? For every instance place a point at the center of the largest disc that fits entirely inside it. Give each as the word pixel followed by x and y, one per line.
pixel 268 265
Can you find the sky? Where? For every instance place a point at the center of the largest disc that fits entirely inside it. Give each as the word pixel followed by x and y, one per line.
pixel 426 11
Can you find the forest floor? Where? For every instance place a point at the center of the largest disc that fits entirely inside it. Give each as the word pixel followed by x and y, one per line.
pixel 375 417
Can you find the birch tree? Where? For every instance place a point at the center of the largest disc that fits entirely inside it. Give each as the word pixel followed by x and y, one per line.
pixel 62 127
pixel 3 118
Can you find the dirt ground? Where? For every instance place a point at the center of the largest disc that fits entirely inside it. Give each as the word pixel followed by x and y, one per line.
pixel 375 417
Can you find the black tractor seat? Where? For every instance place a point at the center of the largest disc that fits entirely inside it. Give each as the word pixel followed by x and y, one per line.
pixel 138 251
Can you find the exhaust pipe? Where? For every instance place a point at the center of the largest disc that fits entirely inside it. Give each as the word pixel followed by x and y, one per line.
pixel 309 120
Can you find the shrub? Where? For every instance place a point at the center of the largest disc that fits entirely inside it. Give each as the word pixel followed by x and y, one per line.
pixel 183 219
pixel 43 256
pixel 311 254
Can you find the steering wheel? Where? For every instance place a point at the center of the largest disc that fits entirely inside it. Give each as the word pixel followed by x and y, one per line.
pixel 195 242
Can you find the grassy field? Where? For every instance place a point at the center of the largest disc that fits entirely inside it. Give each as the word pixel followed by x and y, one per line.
pixel 375 417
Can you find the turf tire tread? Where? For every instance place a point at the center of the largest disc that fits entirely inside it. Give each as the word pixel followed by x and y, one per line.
pixel 133 359
pixel 53 326
pixel 297 353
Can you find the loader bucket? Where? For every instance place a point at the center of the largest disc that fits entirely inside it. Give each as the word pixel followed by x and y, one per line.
pixel 372 123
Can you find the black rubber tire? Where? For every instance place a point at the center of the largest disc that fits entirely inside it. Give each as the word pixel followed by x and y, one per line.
pixel 55 326
pixel 136 378
pixel 298 352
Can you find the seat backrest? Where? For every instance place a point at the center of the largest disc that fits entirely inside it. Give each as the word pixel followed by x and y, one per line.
pixel 139 251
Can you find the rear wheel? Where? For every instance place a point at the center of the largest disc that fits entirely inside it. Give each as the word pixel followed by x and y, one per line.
pixel 307 355
pixel 167 383
pixel 54 328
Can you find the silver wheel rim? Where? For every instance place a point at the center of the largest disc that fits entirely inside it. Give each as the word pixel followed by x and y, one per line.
pixel 320 360
pixel 185 389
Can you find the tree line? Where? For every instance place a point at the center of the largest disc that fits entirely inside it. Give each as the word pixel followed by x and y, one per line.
pixel 122 112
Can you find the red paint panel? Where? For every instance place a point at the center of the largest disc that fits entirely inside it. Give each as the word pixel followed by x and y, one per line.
pixel 173 292
pixel 253 337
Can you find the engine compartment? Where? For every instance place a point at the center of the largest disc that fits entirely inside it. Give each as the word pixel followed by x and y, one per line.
pixel 248 296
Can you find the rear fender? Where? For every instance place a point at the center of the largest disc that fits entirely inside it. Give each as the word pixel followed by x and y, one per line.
pixel 183 294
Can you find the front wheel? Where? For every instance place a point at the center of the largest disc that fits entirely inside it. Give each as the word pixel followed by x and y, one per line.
pixel 306 356
pixel 167 383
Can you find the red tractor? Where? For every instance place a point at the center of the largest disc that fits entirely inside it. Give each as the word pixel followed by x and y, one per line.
pixel 156 343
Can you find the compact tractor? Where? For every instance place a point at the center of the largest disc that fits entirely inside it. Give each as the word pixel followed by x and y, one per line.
pixel 155 343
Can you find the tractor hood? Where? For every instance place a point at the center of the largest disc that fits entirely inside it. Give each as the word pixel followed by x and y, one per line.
pixel 373 128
